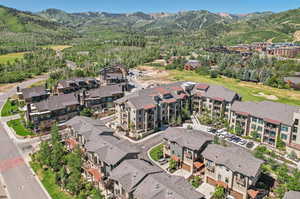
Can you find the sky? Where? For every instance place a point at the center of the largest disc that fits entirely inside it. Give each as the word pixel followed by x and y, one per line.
pixel 149 6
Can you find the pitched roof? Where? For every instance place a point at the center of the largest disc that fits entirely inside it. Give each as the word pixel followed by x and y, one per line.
pixel 57 102
pixel 189 138
pixel 292 195
pixel 105 91
pixel 33 92
pixel 165 186
pixel 214 92
pixel 131 172
pixel 270 111
pixel 234 158
pixel 110 149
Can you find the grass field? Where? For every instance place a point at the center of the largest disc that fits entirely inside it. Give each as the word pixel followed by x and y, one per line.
pixel 157 152
pixel 247 90
pixel 48 180
pixel 57 47
pixel 11 57
pixel 9 108
pixel 19 128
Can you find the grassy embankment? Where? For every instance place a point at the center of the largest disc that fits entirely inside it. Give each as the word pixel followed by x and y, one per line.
pixel 19 127
pixel 11 57
pixel 248 90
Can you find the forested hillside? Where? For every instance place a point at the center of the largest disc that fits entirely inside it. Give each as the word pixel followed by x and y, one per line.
pixel 23 31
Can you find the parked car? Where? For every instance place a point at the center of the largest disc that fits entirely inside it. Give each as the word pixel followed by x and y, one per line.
pixel 212 130
pixel 242 142
pixel 221 130
pixel 249 145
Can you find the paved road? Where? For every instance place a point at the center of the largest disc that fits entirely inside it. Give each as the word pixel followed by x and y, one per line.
pixel 20 181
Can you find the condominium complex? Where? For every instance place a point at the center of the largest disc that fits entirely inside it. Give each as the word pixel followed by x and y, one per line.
pixel 147 110
pixel 185 147
pixel 113 164
pixel 213 99
pixel 233 168
pixel 269 121
pixel 75 84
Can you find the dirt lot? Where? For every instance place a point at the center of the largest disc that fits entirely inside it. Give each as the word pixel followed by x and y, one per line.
pixel 154 75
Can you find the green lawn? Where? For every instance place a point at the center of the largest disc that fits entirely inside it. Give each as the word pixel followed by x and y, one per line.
pixel 157 152
pixel 19 128
pixel 48 180
pixel 9 108
pixel 11 57
pixel 247 90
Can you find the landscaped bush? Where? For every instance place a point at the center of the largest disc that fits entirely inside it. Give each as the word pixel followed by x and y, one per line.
pixel 10 108
pixel 157 152
pixel 19 127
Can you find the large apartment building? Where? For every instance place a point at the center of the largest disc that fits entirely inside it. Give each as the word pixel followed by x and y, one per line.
pixel 55 109
pixel 145 111
pixel 102 98
pixel 185 147
pixel 233 168
pixel 214 99
pixel 269 120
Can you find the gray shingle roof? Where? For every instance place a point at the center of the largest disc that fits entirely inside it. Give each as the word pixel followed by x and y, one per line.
pixel 105 91
pixel 110 149
pixel 87 127
pixel 292 195
pixel 267 110
pixel 164 186
pixel 216 91
pixel 33 92
pixel 234 158
pixel 57 102
pixel 145 97
pixel 131 172
pixel 191 139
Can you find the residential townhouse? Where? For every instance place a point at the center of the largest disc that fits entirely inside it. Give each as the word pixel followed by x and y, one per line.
pixel 292 195
pixel 128 175
pixel 214 99
pixel 55 109
pixel 145 111
pixel 75 84
pixel 269 120
pixel 34 94
pixel 114 75
pixel 102 98
pixel 185 147
pixel 103 151
pixel 165 186
pixel 233 168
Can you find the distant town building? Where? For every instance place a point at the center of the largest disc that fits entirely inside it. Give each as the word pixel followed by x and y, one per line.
pixel 113 75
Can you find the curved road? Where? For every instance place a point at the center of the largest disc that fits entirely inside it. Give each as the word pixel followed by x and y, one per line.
pixel 16 174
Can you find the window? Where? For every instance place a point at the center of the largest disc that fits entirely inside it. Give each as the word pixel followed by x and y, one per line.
pixel 283 136
pixel 226 180
pixel 284 128
pixel 294 137
pixel 296 121
pixel 260 121
pixel 219 177
pixel 254 119
pixel 259 128
pixel 253 126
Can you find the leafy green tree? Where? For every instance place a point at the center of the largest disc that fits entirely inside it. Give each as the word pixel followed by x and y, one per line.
pixel 172 164
pixel 58 150
pixel 87 112
pixel 43 154
pixel 219 193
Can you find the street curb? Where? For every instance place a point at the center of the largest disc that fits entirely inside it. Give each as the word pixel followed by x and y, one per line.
pixel 155 162
pixel 2 182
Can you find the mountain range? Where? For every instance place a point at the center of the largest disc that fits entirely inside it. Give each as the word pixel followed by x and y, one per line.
pixel 54 24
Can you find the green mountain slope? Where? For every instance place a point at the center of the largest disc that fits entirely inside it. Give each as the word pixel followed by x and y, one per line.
pixel 278 27
pixel 23 30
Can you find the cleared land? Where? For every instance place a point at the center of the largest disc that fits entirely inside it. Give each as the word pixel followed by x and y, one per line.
pixel 57 47
pixel 11 57
pixel 248 90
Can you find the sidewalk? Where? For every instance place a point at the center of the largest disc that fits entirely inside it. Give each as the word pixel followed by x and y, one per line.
pixel 141 140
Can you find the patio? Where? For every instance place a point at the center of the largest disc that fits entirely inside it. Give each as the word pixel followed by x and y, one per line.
pixel 182 173
pixel 206 189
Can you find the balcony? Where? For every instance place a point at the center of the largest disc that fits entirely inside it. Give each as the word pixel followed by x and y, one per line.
pixel 210 168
